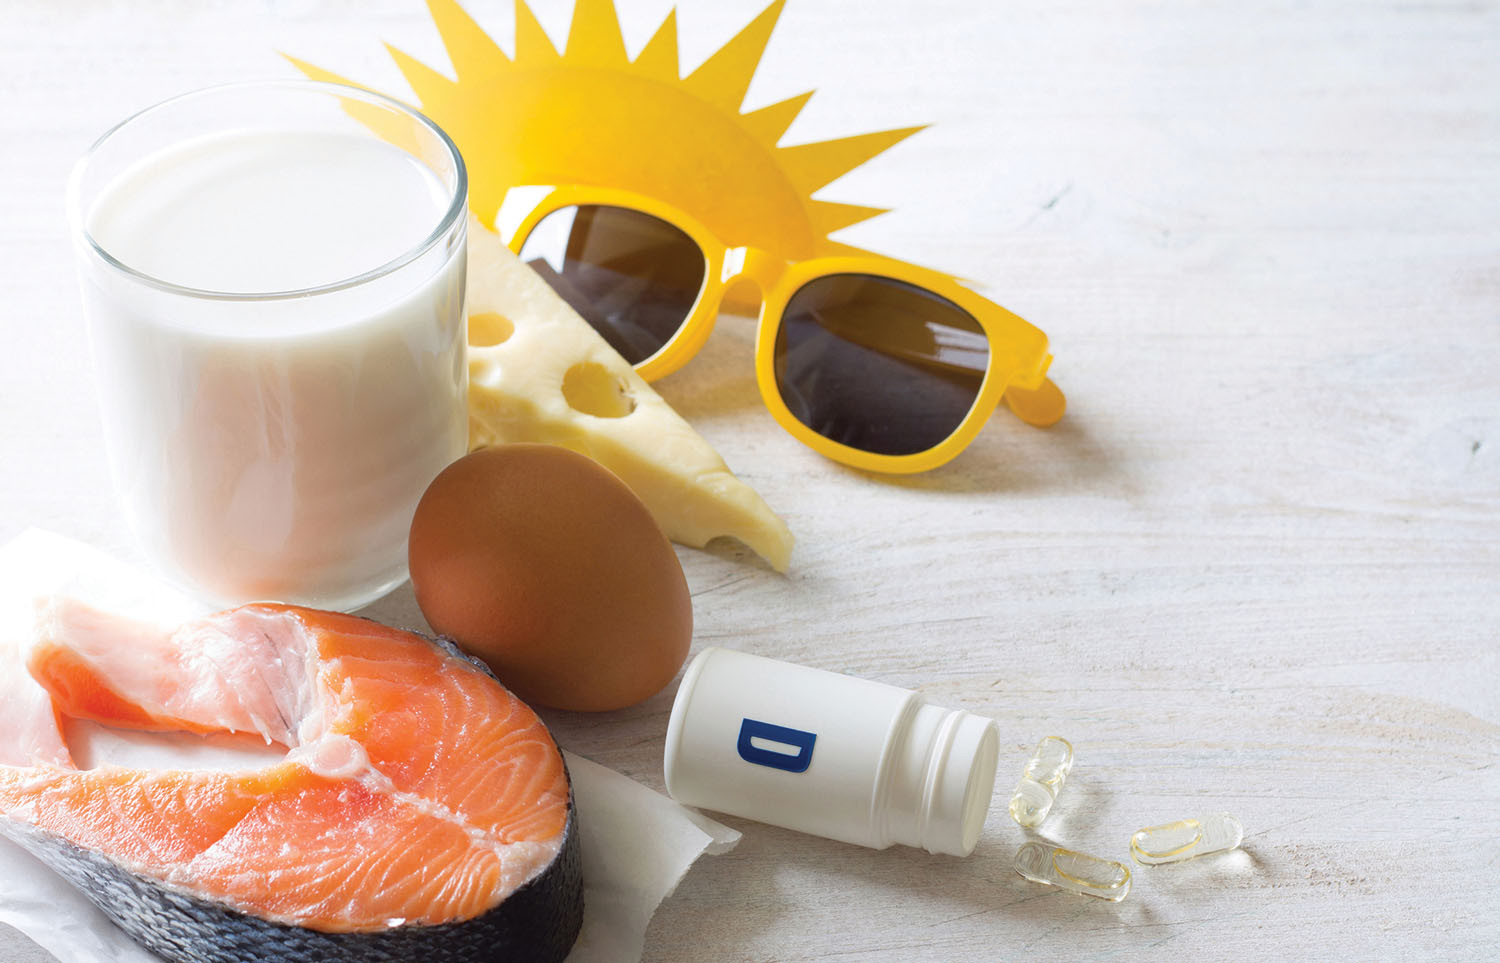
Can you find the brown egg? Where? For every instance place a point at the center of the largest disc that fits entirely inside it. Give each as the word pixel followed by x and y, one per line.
pixel 547 567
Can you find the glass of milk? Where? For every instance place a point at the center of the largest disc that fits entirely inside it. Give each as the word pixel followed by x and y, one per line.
pixel 273 280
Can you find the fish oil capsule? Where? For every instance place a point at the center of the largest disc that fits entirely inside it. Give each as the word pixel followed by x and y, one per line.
pixel 1042 781
pixel 1186 839
pixel 1076 872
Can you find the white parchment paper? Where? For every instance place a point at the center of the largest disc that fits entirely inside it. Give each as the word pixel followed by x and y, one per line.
pixel 636 843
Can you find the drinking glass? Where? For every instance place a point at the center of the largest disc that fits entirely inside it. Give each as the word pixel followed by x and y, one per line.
pixel 266 443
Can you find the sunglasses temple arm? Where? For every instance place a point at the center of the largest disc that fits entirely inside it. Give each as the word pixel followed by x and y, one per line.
pixel 1040 407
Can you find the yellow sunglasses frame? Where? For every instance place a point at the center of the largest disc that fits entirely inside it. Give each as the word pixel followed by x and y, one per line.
pixel 1018 354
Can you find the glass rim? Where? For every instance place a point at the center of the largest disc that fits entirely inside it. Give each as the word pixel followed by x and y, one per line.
pixel 457 204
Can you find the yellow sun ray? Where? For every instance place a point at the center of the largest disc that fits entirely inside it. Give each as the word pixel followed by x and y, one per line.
pixel 594 39
pixel 658 58
pixel 474 55
pixel 812 166
pixel 829 216
pixel 636 125
pixel 533 46
pixel 768 124
pixel 313 72
pixel 430 86
pixel 724 77
pixel 394 128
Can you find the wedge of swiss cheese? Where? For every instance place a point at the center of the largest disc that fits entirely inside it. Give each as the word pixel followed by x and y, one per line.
pixel 526 344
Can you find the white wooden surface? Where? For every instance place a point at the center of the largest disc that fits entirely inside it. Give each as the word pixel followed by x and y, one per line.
pixel 1257 568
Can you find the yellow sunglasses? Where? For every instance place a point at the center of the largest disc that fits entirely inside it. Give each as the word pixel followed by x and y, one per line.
pixel 867 360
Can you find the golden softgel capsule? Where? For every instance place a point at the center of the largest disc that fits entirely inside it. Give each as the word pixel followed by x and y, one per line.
pixel 1042 781
pixel 1186 839
pixel 1075 872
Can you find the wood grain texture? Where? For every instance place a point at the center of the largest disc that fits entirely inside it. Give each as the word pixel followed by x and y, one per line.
pixel 1256 568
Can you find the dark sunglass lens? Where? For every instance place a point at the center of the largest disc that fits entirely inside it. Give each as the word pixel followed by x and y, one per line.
pixel 632 276
pixel 878 364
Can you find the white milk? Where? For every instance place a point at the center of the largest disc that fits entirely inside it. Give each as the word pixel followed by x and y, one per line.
pixel 276 447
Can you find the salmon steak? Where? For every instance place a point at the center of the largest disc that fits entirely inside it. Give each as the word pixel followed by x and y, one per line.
pixel 421 812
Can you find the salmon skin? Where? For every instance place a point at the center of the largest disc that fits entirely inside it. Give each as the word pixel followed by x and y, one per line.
pixel 421 813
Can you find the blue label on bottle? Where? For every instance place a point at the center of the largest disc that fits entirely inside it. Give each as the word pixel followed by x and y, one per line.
pixel 797 740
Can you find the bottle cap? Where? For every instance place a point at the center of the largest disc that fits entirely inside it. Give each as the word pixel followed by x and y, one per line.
pixel 962 779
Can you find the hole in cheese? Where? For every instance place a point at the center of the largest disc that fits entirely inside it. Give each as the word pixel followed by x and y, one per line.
pixel 488 328
pixel 590 388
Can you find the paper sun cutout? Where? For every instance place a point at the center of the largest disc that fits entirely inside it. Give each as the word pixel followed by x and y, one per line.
pixel 591 116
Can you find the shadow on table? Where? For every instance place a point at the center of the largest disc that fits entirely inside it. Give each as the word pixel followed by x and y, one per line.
pixel 945 895
pixel 924 900
pixel 1009 456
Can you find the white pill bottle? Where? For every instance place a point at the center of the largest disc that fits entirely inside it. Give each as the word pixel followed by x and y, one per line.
pixel 829 754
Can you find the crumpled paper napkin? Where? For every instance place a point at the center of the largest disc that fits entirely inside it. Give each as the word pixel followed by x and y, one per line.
pixel 636 843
